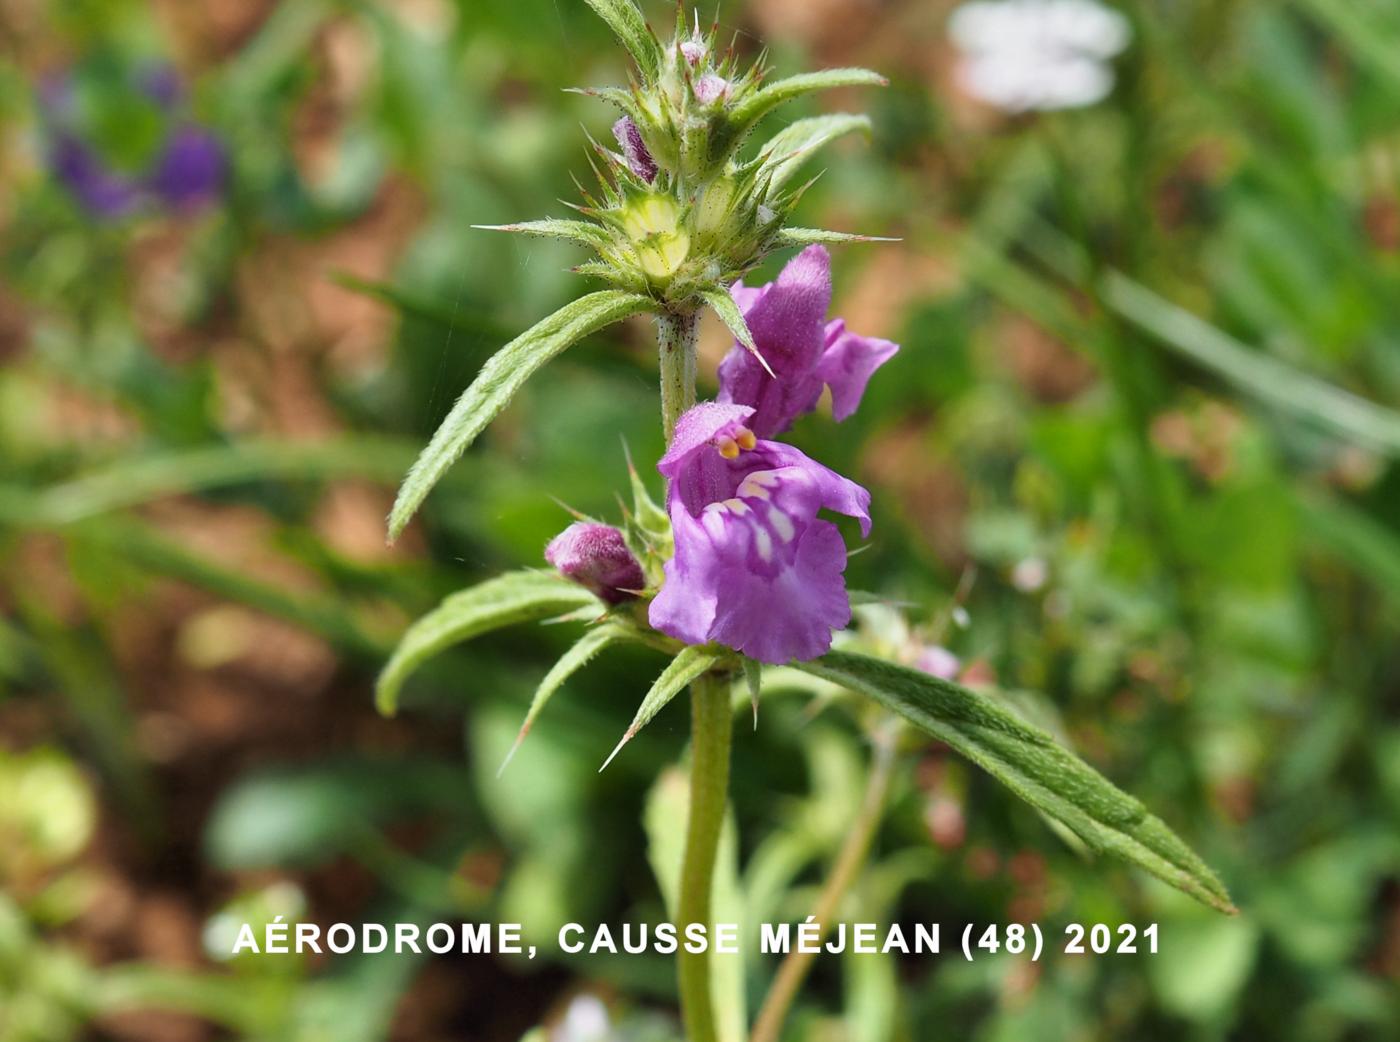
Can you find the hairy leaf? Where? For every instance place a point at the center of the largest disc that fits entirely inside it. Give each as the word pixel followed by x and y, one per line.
pixel 524 596
pixel 627 23
pixel 1030 763
pixel 807 236
pixel 787 150
pixel 497 383
pixel 582 232
pixel 685 667
pixel 764 101
pixel 588 646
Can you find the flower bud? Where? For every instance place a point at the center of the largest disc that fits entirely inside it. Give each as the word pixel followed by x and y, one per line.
pixel 710 88
pixel 634 150
pixel 597 557
pixel 654 224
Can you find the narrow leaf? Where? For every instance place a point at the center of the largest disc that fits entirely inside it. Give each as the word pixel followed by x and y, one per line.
pixel 685 667
pixel 1030 763
pixel 627 23
pixel 582 232
pixel 787 150
pixel 497 383
pixel 729 313
pixel 807 236
pixel 508 599
pixel 589 645
pixel 753 676
pixel 765 100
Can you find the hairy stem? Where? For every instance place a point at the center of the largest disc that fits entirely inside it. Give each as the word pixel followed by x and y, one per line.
pixel 676 335
pixel 798 962
pixel 712 721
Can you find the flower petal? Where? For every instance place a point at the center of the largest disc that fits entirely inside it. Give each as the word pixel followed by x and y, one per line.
pixel 791 615
pixel 848 363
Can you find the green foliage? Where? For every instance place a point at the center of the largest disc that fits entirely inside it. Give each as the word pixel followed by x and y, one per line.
pixel 506 600
pixel 1134 468
pixel 1030 763
pixel 689 663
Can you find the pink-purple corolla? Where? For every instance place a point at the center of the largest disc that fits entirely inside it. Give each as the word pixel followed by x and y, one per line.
pixel 755 568
pixel 596 556
pixel 787 318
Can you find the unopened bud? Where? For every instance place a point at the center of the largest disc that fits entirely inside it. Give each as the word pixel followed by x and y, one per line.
pixel 634 149
pixel 597 557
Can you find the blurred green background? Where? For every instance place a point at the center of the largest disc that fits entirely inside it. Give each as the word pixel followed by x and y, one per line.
pixel 1134 467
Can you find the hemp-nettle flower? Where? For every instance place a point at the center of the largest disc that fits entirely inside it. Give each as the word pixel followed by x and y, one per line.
pixel 597 557
pixel 167 160
pixel 755 568
pixel 1025 55
pixel 634 149
pixel 787 318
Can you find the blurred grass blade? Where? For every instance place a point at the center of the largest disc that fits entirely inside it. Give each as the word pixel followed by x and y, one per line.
pixel 792 146
pixel 413 306
pixel 729 313
pixel 144 546
pixel 589 646
pixel 130 482
pixel 1364 32
pixel 1030 763
pixel 1258 374
pixel 1371 548
pixel 627 23
pixel 497 383
pixel 765 100
pixel 685 667
pixel 515 597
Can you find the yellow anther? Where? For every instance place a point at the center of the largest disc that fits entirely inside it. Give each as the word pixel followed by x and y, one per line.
pixel 728 447
pixel 745 438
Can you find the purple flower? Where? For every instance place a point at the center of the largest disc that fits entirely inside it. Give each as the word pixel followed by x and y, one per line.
pixel 787 319
pixel 190 169
pixel 596 557
pixel 634 149
pixel 186 170
pixel 755 569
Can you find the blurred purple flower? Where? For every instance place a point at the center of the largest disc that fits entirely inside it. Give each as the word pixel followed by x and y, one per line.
pixel 186 171
pixel 755 569
pixel 787 320
pixel 634 150
pixel 939 662
pixel 596 557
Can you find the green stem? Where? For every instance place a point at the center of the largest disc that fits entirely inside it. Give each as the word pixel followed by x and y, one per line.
pixel 798 962
pixel 676 336
pixel 712 719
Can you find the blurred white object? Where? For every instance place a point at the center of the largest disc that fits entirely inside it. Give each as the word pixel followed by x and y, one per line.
pixel 1027 55
pixel 1030 574
pixel 586 1020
